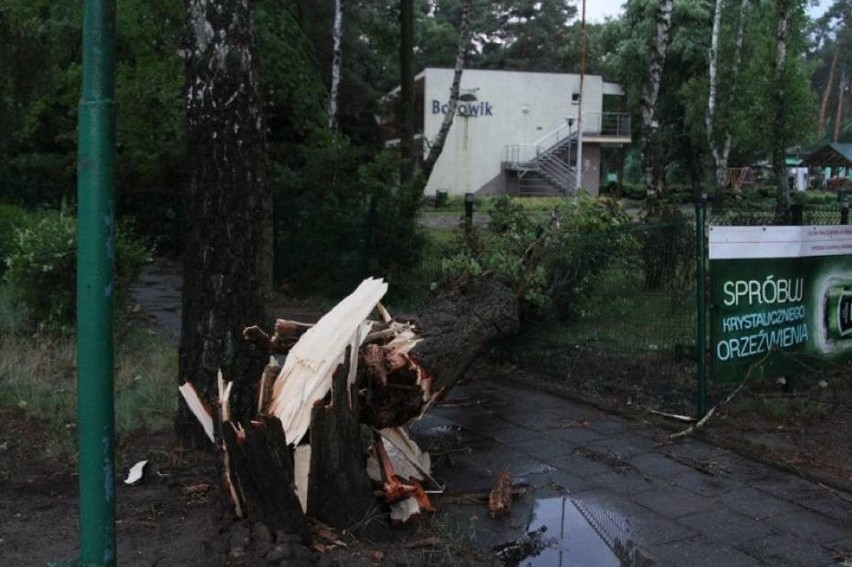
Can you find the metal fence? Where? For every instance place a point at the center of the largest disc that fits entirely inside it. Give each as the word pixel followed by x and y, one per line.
pixel 633 331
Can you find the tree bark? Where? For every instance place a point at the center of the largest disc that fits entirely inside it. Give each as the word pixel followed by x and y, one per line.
pixel 438 145
pixel 456 327
pixel 779 142
pixel 710 118
pixel 721 154
pixel 735 77
pixel 394 384
pixel 838 119
pixel 826 97
pixel 336 62
pixel 406 88
pixel 262 466
pixel 340 493
pixel 227 255
pixel 654 177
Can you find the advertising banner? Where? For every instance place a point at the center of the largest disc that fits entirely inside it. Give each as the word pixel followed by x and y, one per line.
pixel 781 295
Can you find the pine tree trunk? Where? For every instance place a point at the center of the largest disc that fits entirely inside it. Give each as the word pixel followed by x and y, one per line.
pixel 653 155
pixel 340 492
pixel 735 77
pixel 406 88
pixel 457 326
pixel 826 97
pixel 838 119
pixel 227 256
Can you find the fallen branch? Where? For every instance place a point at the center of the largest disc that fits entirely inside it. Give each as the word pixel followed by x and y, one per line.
pixel 835 492
pixel 703 421
pixel 676 417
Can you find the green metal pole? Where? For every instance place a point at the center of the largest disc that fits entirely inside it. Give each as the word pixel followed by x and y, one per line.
pixel 700 301
pixel 95 255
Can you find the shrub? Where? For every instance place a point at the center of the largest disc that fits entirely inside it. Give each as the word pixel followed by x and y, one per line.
pixel 666 245
pixel 814 197
pixel 342 215
pixel 634 191
pixel 11 218
pixel 41 270
pixel 552 258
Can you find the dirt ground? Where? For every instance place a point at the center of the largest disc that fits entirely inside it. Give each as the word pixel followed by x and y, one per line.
pixel 176 515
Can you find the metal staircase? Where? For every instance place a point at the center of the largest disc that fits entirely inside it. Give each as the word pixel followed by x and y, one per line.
pixel 543 168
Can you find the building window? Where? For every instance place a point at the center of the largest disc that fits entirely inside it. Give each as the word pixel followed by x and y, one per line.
pixel 575 98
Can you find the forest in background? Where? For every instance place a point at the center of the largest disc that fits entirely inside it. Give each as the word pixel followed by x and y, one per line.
pixel 324 177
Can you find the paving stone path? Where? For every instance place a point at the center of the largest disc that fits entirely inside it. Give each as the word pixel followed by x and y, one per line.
pixel 683 503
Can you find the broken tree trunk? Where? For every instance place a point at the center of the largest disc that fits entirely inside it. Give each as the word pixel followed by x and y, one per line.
pixel 262 468
pixel 304 450
pixel 339 493
pixel 406 377
pixel 457 326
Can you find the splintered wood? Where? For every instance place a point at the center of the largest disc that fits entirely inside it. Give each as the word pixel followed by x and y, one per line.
pixel 500 499
pixel 341 372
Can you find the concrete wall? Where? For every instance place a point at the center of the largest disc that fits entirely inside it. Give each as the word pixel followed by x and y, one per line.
pixel 511 107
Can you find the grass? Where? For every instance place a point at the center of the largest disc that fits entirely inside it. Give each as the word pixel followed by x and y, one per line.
pixel 38 378
pixel 457 544
pixel 455 204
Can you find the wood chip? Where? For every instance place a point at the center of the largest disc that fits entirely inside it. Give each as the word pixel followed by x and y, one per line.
pixel 500 499
pixel 425 542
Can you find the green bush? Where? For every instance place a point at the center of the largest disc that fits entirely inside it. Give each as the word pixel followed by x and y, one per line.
pixel 41 269
pixel 634 191
pixel 667 241
pixel 37 179
pixel 11 218
pixel 814 197
pixel 550 259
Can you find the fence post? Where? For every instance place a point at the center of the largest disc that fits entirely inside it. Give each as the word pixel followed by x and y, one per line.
pixel 844 212
pixel 700 274
pixel 797 214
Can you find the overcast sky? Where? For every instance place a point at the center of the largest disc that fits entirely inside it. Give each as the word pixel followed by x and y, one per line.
pixel 597 10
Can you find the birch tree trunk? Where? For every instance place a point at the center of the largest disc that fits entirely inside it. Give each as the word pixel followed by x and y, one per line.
pixel 654 177
pixel 720 153
pixel 710 118
pixel 438 145
pixel 337 56
pixel 779 148
pixel 227 254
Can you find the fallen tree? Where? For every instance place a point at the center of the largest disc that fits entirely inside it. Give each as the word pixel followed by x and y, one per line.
pixel 304 453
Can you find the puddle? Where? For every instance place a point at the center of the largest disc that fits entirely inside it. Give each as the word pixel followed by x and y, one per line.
pixel 567 532
pixel 441 430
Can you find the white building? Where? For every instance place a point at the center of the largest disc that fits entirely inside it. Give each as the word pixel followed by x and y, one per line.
pixel 517 132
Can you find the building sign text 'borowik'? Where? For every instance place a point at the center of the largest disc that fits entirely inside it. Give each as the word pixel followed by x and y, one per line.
pixel 471 109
